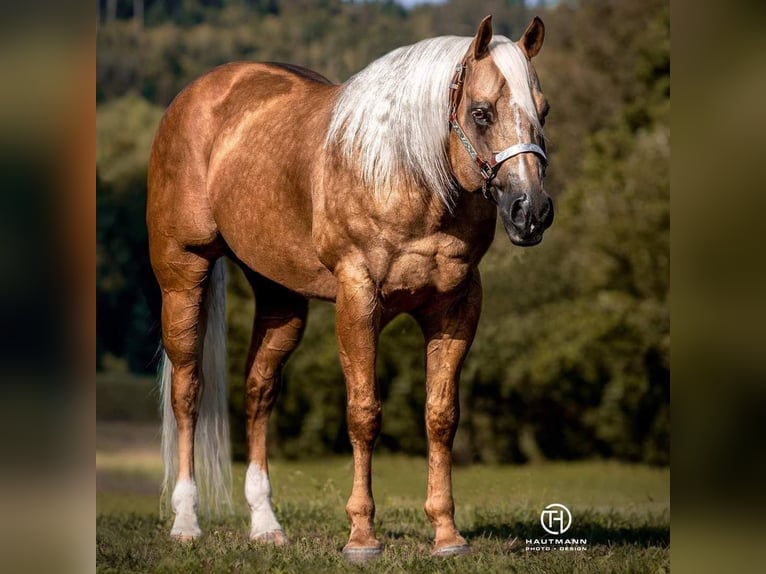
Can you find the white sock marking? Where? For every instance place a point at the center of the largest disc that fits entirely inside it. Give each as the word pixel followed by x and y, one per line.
pixel 184 501
pixel 258 495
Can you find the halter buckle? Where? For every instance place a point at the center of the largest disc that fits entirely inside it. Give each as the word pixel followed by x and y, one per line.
pixel 487 172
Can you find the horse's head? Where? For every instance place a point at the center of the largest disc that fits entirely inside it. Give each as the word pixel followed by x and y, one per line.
pixel 496 143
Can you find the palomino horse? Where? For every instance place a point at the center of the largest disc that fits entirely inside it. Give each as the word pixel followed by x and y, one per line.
pixel 379 194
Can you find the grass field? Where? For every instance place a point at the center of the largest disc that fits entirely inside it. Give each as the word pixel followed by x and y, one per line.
pixel 623 511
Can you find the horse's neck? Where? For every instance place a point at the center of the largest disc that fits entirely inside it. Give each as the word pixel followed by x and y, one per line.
pixel 470 214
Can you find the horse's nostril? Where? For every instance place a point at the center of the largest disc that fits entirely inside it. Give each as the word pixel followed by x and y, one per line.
pixel 546 216
pixel 518 211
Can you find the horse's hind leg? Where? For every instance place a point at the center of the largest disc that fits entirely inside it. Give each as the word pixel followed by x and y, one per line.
pixel 278 326
pixel 183 277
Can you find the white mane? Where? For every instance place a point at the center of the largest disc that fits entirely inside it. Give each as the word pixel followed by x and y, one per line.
pixel 392 117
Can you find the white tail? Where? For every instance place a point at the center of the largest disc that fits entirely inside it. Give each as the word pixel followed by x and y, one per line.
pixel 212 450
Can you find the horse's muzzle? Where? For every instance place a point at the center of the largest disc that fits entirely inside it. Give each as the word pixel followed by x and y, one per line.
pixel 525 216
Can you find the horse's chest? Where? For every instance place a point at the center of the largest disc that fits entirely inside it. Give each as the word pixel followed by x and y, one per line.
pixel 440 264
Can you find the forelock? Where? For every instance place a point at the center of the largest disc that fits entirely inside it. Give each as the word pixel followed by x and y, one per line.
pixel 514 67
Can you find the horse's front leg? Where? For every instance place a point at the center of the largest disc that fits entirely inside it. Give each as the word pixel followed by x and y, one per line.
pixel 449 325
pixel 357 329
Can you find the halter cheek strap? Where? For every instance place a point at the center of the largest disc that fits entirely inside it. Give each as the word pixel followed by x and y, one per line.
pixel 488 168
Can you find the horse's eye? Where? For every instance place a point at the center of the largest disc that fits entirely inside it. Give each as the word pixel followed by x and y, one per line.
pixel 482 116
pixel 544 114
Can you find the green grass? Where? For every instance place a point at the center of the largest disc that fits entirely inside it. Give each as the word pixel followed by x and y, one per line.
pixel 623 511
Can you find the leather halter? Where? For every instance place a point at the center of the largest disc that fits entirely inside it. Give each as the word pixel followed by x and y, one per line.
pixel 488 168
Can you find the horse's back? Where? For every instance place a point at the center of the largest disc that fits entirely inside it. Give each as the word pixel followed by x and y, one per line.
pixel 301 71
pixel 219 99
pixel 231 161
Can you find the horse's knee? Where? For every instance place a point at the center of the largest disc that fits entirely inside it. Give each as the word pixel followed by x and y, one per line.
pixel 364 420
pixel 441 420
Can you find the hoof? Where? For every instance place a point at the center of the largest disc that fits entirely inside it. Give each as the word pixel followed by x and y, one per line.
pixel 364 554
pixel 454 550
pixel 184 538
pixel 185 528
pixel 275 538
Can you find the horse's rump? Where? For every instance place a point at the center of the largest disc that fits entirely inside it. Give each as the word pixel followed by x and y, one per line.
pixel 218 169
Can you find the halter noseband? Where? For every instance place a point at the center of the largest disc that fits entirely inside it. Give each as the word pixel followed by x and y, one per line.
pixel 488 168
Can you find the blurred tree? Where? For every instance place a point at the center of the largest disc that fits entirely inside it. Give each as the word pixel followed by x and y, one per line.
pixel 127 297
pixel 126 293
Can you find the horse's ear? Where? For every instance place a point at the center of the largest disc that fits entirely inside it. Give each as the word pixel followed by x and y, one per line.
pixel 532 39
pixel 483 38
